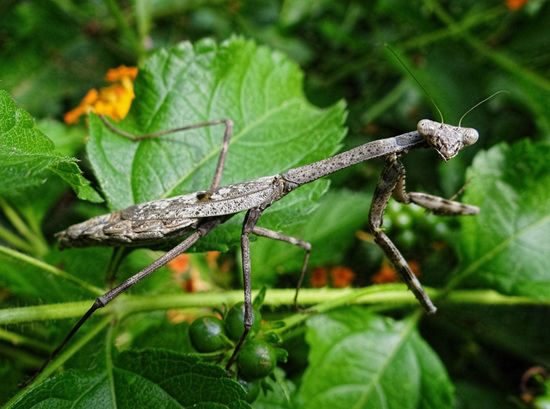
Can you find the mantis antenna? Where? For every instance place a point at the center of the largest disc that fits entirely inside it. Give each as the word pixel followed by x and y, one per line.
pixel 418 82
pixel 478 104
pixel 430 97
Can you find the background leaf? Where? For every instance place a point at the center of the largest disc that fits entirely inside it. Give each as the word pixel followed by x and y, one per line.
pixel 361 360
pixel 261 91
pixel 26 154
pixel 139 379
pixel 506 246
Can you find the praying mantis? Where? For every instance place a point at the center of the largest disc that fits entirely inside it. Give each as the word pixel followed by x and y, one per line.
pixel 194 215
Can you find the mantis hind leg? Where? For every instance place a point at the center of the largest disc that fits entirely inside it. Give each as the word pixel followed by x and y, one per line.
pixel 223 152
pixel 249 227
pixel 110 295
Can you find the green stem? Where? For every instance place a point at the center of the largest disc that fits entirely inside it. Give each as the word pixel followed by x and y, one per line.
pixel 385 103
pixel 14 219
pixel 498 58
pixel 36 242
pixel 109 342
pixel 455 30
pixel 49 269
pixel 420 41
pixel 125 28
pixel 47 312
pixel 383 296
pixel 143 19
pixel 62 358
pixel 37 239
pixel 491 297
pixel 15 240
pixel 118 255
pixel 18 339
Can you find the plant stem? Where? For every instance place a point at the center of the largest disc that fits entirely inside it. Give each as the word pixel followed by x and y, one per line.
pixel 49 269
pixel 125 28
pixel 18 339
pixel 498 58
pixel 385 103
pixel 15 240
pixel 386 296
pixel 61 358
pixel 454 30
pixel 35 242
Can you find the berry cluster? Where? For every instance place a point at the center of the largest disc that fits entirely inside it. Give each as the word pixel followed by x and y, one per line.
pixel 258 356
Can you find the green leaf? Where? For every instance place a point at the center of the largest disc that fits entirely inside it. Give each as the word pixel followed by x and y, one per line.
pixel 361 360
pixel 506 246
pixel 276 128
pixel 26 155
pixel 68 140
pixel 140 379
pixel 276 392
pixel 520 331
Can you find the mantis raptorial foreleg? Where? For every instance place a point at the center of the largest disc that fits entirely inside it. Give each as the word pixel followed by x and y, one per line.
pixel 434 204
pixel 392 174
pixel 392 181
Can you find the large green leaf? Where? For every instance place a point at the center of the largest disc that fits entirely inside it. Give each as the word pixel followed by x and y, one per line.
pixel 261 91
pixel 361 360
pixel 151 378
pixel 506 246
pixel 26 155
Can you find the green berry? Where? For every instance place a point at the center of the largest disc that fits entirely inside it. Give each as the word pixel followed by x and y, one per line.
pixel 234 321
pixel 252 389
pixel 207 334
pixel 256 360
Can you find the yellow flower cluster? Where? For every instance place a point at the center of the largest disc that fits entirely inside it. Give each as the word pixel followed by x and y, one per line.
pixel 113 101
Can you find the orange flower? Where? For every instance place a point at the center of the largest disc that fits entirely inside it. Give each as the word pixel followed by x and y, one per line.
pixel 121 73
pixel 194 283
pixel 319 277
pixel 341 276
pixel 85 106
pixel 415 267
pixel 113 101
pixel 212 259
pixel 515 4
pixel 387 274
pixel 180 264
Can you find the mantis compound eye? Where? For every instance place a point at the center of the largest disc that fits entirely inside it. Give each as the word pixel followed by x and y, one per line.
pixel 426 127
pixel 470 136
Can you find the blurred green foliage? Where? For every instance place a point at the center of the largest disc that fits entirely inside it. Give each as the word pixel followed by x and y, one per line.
pixel 471 355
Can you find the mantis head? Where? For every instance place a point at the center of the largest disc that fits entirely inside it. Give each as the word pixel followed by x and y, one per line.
pixel 447 140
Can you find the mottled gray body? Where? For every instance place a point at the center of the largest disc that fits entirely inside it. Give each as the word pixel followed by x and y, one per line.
pixel 155 222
